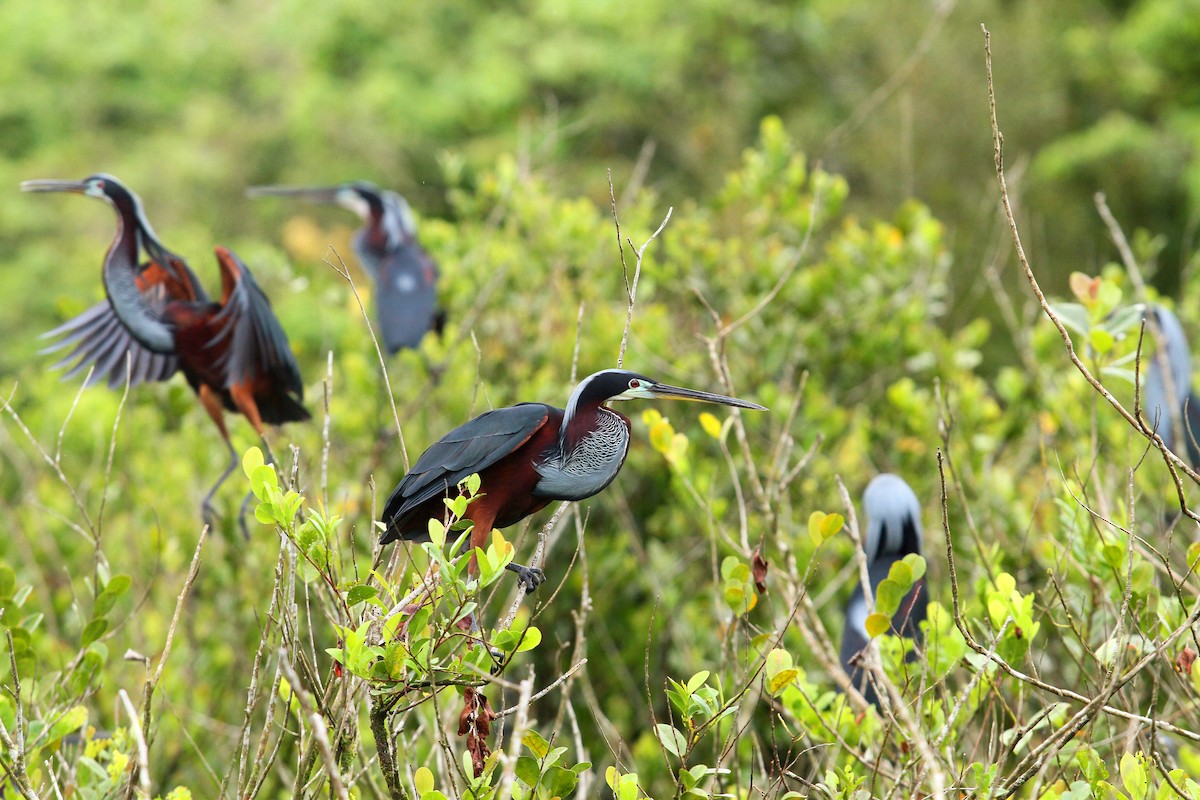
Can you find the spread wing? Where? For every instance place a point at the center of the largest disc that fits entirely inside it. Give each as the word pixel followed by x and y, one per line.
pixel 98 337
pixel 406 288
pixel 469 448
pixel 254 344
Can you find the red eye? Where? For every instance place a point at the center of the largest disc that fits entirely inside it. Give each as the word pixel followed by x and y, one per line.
pixel 635 383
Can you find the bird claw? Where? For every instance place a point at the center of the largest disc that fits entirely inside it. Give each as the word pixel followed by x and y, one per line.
pixel 208 515
pixel 530 577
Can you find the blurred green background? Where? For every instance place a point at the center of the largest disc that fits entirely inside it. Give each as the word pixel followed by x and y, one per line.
pixel 501 123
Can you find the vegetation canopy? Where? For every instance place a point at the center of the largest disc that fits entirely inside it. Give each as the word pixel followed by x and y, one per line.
pixel 685 641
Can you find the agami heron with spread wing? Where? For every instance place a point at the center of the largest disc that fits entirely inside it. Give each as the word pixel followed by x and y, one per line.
pixel 405 274
pixel 1169 402
pixel 158 319
pixel 893 531
pixel 526 456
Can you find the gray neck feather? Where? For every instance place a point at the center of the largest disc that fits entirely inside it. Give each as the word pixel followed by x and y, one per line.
pixel 142 321
pixel 575 472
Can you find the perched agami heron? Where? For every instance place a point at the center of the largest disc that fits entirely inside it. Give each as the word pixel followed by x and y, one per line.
pixel 893 531
pixel 232 351
pixel 1169 401
pixel 405 274
pixel 528 455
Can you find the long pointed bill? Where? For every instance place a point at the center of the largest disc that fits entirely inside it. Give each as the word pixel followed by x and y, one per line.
pixel 316 194
pixel 78 187
pixel 679 393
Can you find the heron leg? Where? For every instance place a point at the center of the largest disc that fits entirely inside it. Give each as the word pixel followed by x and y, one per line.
pixel 529 577
pixel 207 511
pixel 243 398
pixel 212 404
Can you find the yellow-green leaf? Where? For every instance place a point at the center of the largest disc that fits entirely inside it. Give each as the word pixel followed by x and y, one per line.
pixel 782 680
pixel 778 660
pixel 536 744
pixel 252 459
pixel 530 639
pixel 437 533
pixel 1193 555
pixel 917 564
pixel 902 574
pixel 661 435
pixel 821 526
pixel 423 780
pixel 711 425
pixel 877 624
pixel 1102 341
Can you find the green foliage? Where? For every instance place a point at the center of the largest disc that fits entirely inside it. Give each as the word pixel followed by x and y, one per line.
pixel 706 558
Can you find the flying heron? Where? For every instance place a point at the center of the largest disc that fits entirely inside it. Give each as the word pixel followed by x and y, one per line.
pixel 158 317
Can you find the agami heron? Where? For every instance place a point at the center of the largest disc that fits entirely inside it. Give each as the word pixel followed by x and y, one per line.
pixel 1169 400
pixel 232 351
pixel 526 456
pixel 893 531
pixel 405 274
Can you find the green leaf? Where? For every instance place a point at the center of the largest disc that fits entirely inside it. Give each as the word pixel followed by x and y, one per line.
pixel 437 533
pixel 1193 555
pixel 917 564
pixel 901 573
pixel 252 459
pixel 118 585
pixel 877 624
pixel 71 721
pixel 473 482
pixel 735 597
pixel 777 661
pixel 822 526
pixel 1113 555
pixel 888 595
pixel 697 680
pixel 1124 318
pixel 8 581
pixel 1101 340
pixel 530 639
pixel 1133 775
pixel 263 480
pixel 1074 316
pixel 103 604
pixel 360 594
pixel 93 630
pixel 457 505
pixel 672 740
pixel 559 782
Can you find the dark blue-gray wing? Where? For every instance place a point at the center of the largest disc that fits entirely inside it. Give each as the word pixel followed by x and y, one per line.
pixel 469 448
pixel 257 346
pixel 406 301
pixel 97 338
